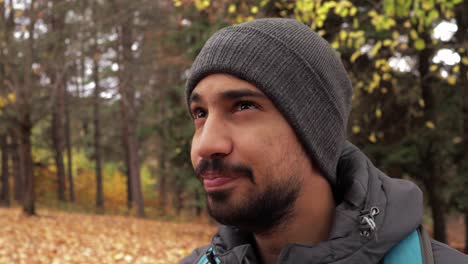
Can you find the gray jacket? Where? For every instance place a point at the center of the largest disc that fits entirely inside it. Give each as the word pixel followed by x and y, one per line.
pixel 394 205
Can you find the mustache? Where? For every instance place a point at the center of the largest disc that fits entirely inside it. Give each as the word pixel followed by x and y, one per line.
pixel 220 166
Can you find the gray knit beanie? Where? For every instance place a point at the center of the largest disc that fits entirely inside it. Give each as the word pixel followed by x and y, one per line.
pixel 297 69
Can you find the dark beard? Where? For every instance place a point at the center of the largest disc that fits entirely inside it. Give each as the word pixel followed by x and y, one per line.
pixel 262 213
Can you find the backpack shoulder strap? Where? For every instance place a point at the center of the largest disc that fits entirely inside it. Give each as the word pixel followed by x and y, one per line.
pixel 426 247
pixel 209 257
pixel 415 248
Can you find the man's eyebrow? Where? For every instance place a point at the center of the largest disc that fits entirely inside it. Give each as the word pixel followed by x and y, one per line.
pixel 228 95
pixel 194 97
pixel 236 94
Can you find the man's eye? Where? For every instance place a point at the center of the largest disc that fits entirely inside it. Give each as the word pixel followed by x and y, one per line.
pixel 198 113
pixel 245 105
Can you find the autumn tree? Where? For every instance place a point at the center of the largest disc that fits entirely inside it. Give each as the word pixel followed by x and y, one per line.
pixel 24 110
pixel 29 77
pixel 57 69
pixel 95 52
pixel 5 192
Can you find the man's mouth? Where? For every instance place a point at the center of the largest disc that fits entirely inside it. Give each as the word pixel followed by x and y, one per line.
pixel 214 180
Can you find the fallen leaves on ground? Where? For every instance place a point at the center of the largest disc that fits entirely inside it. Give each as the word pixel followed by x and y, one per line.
pixel 57 237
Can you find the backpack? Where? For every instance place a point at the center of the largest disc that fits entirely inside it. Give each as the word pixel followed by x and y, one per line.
pixel 414 249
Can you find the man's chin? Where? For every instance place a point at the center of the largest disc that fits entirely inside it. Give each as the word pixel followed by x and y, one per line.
pixel 220 206
pixel 218 196
pixel 225 214
pixel 256 212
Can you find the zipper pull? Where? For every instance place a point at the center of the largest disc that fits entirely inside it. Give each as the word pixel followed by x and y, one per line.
pixel 367 221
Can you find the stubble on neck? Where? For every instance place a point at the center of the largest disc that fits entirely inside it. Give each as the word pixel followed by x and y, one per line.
pixel 309 222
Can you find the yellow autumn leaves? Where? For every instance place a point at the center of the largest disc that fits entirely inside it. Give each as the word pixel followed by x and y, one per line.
pixel 374 136
pixel 202 4
pixel 9 99
pixel 56 237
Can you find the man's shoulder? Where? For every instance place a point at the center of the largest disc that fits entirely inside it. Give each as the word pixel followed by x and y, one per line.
pixel 445 254
pixel 190 259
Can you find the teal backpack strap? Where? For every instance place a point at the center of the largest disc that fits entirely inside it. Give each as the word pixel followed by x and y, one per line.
pixel 414 249
pixel 209 257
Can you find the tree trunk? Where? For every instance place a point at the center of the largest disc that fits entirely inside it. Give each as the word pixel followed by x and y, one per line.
pixel 432 179
pixel 25 121
pixel 16 167
pixel 97 137
pixel 126 158
pixel 27 166
pixel 438 216
pixel 163 148
pixel 462 38
pixel 135 173
pixel 130 116
pixel 58 69
pixel 129 180
pixel 124 75
pixel 5 195
pixel 58 143
pixel 124 137
pixel 438 213
pixel 162 182
pixel 71 187
pixel 8 26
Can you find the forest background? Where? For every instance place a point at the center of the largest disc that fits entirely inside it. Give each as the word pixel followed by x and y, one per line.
pixel 92 110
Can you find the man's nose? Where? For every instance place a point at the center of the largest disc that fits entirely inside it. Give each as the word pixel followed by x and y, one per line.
pixel 214 139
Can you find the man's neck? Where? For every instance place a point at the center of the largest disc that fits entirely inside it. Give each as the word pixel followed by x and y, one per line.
pixel 309 223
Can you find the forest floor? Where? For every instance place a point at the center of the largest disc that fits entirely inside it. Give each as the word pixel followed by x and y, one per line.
pixel 58 237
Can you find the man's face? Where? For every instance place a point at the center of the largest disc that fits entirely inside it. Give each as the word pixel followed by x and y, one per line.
pixel 246 155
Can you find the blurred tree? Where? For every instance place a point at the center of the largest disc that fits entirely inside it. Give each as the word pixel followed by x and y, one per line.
pixel 96 113
pixel 15 164
pixel 23 116
pixel 5 194
pixel 29 77
pixel 462 155
pixel 57 69
pixel 128 92
pixel 68 146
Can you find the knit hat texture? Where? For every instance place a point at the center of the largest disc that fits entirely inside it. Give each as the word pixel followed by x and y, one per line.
pixel 299 72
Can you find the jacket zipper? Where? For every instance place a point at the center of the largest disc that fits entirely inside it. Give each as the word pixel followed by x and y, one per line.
pixel 210 256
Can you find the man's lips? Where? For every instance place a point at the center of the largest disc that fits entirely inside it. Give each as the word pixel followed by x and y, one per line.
pixel 213 181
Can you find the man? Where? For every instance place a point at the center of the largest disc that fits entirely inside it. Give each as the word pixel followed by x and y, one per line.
pixel 270 101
